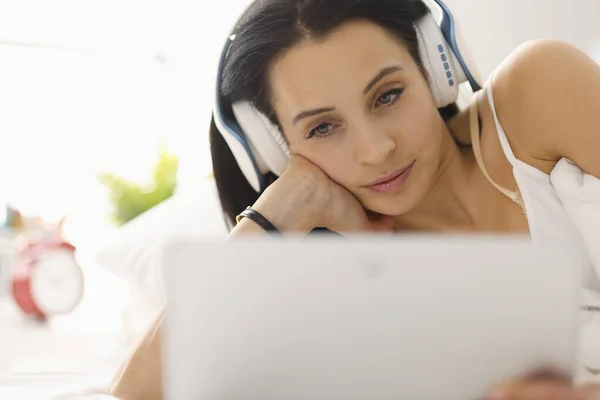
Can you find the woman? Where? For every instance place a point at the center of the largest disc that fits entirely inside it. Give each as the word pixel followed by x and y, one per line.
pixel 343 81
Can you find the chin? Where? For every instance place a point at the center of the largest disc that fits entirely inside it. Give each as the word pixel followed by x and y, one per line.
pixel 389 204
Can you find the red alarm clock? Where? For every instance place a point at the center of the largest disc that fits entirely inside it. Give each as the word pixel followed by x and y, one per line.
pixel 47 280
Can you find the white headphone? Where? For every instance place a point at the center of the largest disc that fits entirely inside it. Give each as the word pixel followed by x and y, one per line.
pixel 259 147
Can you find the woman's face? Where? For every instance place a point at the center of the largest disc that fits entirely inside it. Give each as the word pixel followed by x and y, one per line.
pixel 357 106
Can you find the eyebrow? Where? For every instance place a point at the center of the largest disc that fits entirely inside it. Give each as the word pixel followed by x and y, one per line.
pixel 310 113
pixel 380 75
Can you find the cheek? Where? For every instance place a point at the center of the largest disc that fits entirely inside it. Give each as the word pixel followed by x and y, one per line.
pixel 418 128
pixel 334 156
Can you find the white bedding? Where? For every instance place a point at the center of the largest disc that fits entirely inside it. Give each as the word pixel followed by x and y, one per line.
pixel 52 387
pixel 580 194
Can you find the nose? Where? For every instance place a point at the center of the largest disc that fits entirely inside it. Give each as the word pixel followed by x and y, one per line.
pixel 373 145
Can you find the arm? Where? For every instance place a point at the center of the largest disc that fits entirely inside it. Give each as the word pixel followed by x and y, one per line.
pixel 549 99
pixel 140 376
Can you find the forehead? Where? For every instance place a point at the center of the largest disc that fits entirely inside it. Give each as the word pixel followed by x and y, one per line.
pixel 347 58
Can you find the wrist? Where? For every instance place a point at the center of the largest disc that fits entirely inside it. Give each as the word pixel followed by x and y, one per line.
pixel 290 208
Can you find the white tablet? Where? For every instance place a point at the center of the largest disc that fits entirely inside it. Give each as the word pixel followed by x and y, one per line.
pixel 407 317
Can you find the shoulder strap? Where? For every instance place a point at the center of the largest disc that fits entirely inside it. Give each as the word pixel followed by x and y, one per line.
pixel 475 132
pixel 510 156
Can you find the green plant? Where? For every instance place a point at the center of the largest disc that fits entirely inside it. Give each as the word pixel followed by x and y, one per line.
pixel 130 199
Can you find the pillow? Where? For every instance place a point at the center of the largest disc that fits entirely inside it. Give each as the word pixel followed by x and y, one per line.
pixel 132 254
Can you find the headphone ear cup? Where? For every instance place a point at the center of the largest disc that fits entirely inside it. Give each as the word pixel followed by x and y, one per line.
pixel 242 152
pixel 444 72
pixel 269 147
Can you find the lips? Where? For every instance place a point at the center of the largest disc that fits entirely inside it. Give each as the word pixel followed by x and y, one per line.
pixel 392 181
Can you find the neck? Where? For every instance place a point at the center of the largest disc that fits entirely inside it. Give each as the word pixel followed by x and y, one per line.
pixel 451 202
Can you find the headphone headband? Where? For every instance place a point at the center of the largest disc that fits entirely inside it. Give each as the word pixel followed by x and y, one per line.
pixel 259 147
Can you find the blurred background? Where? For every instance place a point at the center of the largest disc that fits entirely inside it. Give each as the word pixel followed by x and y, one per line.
pixel 103 144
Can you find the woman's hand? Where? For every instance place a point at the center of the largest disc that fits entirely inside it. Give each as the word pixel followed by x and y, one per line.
pixel 304 198
pixel 546 391
pixel 544 386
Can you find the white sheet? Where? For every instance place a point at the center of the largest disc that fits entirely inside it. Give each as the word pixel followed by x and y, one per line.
pixel 52 387
pixel 580 194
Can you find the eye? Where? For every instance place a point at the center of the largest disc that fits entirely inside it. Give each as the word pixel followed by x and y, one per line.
pixel 321 130
pixel 389 97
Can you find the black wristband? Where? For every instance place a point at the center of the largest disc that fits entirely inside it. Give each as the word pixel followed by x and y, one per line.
pixel 259 219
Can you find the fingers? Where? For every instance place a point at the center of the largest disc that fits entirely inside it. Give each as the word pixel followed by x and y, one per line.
pixel 547 375
pixel 544 390
pixel 542 383
pixel 533 390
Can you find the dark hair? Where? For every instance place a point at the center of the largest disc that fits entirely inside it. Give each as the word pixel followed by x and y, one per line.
pixel 264 32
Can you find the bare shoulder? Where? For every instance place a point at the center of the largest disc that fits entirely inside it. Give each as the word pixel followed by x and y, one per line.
pixel 545 93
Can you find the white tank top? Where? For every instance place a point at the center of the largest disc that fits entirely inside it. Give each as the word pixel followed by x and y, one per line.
pixel 549 223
